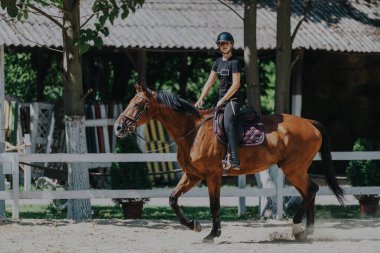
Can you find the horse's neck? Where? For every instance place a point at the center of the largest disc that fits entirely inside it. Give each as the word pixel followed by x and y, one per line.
pixel 177 125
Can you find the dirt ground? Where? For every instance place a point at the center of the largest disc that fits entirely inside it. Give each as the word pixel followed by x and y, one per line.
pixel 167 236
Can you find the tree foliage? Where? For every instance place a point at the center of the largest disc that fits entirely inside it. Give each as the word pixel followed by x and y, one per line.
pixel 20 77
pixel 103 10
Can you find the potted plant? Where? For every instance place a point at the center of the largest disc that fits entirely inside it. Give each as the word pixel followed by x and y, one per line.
pixel 129 176
pixel 365 173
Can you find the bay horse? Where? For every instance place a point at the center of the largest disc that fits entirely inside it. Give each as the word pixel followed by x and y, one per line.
pixel 291 142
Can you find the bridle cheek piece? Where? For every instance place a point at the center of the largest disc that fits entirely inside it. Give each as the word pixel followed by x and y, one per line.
pixel 132 127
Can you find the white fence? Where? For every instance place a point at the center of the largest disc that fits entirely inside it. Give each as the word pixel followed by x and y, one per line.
pixel 11 166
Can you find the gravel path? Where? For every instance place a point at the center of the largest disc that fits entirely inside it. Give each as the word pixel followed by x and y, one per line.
pixel 166 236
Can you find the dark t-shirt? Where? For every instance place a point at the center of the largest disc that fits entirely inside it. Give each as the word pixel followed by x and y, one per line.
pixel 225 69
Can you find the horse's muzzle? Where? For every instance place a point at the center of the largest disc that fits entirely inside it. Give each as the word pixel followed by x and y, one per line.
pixel 123 129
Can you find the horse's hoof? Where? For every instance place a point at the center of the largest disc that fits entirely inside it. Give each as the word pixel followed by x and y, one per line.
pixel 299 232
pixel 197 226
pixel 208 239
pixel 309 230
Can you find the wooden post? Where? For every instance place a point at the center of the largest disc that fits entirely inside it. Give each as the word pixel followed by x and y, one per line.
pixel 297 84
pixel 15 187
pixel 27 169
pixel 142 66
pixel 280 194
pixel 2 125
pixel 241 185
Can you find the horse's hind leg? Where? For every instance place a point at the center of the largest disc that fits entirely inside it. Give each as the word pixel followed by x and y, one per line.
pixel 308 205
pixel 185 184
pixel 299 178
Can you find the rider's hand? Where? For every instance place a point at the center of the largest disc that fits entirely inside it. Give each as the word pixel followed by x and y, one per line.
pixel 220 103
pixel 199 103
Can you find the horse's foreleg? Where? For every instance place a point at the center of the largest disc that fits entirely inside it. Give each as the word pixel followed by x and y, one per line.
pixel 213 184
pixel 184 185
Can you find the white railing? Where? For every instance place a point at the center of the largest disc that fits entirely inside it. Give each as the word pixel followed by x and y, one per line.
pixel 11 166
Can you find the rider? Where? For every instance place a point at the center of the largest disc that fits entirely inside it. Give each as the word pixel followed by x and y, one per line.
pixel 227 68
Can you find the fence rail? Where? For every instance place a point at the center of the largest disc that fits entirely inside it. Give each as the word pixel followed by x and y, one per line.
pixel 11 166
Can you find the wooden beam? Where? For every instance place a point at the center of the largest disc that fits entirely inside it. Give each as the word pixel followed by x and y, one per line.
pixel 142 66
pixel 132 59
pixel 297 83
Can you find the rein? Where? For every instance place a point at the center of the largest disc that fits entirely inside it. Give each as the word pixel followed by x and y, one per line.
pixel 208 117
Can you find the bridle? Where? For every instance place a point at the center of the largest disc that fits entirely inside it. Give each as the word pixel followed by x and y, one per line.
pixel 132 128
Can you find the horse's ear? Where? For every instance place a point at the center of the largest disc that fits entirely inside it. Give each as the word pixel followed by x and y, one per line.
pixel 143 88
pixel 138 87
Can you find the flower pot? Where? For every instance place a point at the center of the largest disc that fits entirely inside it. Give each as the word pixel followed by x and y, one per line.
pixel 369 206
pixel 132 209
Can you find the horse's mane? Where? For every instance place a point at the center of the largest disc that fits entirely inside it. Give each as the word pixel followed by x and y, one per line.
pixel 175 102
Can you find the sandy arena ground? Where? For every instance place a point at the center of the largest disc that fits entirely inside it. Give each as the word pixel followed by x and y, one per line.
pixel 115 236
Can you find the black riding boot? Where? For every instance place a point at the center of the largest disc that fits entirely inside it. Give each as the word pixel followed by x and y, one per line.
pixel 234 150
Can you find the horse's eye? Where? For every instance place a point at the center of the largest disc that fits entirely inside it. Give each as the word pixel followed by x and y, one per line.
pixel 136 105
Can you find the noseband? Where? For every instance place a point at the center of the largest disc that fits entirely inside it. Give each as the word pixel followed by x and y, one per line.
pixel 132 128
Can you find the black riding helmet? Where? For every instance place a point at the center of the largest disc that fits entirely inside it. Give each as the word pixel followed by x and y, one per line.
pixel 224 36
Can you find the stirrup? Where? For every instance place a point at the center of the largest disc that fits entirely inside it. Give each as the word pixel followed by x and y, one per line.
pixel 226 163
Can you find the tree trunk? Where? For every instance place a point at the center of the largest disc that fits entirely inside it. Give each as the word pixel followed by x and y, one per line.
pixel 72 68
pixel 264 179
pixel 283 61
pixel 74 109
pixel 78 209
pixel 250 55
pixel 283 57
pixel 2 126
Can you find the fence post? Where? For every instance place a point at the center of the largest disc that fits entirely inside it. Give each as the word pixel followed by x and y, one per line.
pixel 27 168
pixel 241 185
pixel 280 194
pixel 15 186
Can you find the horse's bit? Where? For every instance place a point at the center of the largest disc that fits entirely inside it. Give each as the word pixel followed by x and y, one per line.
pixel 132 128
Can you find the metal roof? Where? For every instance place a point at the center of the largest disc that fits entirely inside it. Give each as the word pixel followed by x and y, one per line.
pixel 333 25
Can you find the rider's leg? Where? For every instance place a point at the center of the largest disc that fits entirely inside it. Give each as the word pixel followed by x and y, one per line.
pixel 231 113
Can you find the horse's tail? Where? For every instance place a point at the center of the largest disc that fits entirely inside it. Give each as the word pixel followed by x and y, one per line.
pixel 327 163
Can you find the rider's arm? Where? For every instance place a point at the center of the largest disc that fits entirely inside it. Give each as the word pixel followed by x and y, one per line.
pixel 207 87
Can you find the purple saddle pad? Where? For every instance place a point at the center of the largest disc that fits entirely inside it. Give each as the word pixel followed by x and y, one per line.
pixel 250 129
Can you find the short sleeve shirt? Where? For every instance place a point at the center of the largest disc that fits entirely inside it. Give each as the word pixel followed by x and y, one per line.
pixel 225 69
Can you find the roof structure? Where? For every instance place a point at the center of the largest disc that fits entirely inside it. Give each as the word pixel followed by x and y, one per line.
pixel 332 25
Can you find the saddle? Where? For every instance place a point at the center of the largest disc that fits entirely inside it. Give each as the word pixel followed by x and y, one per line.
pixel 250 130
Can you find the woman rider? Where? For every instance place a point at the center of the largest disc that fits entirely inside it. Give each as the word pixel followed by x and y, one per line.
pixel 227 68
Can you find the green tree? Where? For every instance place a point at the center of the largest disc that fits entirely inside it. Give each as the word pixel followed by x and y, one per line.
pixel 20 77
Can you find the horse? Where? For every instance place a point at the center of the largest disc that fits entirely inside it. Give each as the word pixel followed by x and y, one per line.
pixel 291 142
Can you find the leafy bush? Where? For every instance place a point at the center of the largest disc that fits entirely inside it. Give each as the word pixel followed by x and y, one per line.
pixel 363 172
pixel 20 78
pixel 129 175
